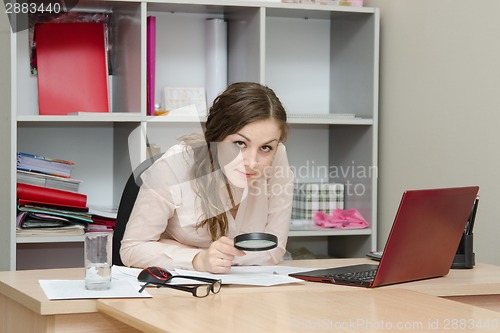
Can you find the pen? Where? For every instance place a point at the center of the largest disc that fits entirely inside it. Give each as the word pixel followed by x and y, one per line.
pixel 472 217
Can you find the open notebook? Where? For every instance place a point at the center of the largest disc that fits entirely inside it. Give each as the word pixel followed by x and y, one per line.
pixel 422 243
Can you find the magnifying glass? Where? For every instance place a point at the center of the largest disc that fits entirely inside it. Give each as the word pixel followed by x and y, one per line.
pixel 255 241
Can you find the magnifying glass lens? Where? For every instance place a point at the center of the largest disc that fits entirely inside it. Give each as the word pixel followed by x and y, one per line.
pixel 255 241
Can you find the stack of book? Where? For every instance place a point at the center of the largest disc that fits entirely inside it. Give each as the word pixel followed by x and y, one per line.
pixel 48 201
pixel 43 210
pixel 46 172
pixel 39 179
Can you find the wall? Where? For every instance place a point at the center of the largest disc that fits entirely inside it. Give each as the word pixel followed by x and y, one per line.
pixel 440 106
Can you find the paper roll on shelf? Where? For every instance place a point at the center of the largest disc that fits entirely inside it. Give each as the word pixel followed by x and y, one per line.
pixel 216 58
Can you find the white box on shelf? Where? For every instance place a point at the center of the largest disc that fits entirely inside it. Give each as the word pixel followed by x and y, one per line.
pixel 309 198
pixel 178 97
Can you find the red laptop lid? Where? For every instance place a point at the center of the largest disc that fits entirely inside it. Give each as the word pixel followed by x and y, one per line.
pixel 425 234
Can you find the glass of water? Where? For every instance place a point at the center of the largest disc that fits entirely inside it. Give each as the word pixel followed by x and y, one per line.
pixel 98 254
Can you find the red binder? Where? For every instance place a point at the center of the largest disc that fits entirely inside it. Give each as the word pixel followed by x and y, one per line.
pixel 72 68
pixel 32 194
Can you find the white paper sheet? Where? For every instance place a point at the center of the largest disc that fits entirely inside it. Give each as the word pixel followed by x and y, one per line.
pixel 125 284
pixel 242 275
pixel 252 275
pixel 75 289
pixel 126 274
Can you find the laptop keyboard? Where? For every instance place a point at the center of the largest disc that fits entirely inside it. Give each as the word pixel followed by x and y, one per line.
pixel 354 276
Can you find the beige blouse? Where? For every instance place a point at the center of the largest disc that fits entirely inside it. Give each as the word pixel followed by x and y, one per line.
pixel 162 229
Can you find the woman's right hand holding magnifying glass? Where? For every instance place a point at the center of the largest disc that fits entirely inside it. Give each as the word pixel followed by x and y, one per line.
pixel 218 258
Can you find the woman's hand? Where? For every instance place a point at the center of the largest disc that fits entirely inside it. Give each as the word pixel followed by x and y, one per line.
pixel 218 258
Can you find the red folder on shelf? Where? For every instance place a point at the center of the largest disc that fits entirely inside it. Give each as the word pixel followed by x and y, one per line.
pixel 31 194
pixel 40 204
pixel 72 68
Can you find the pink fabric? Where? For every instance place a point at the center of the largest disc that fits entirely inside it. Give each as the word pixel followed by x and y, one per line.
pixel 341 219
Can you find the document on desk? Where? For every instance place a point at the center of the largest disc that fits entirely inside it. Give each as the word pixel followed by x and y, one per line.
pixel 243 275
pixel 252 275
pixel 75 289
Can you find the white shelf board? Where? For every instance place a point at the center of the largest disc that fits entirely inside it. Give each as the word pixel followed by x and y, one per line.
pixel 176 119
pixel 329 120
pixel 91 117
pixel 110 117
pixel 313 10
pixel 312 230
pixel 49 239
pixel 122 117
pixel 295 231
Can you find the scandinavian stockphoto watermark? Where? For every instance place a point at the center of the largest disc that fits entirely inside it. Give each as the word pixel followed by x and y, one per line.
pixel 357 178
pixel 19 11
pixel 363 325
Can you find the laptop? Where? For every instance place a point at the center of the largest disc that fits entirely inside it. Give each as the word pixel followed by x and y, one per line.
pixel 422 243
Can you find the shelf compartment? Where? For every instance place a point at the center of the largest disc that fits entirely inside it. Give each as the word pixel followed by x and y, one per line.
pixel 327 64
pixel 125 79
pixel 101 151
pixel 181 50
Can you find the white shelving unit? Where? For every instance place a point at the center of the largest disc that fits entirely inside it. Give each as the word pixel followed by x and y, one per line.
pixel 320 60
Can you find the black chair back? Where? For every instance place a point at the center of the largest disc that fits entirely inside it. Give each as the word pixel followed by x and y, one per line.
pixel 127 201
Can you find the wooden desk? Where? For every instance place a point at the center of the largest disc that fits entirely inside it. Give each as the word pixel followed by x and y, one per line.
pixel 370 310
pixel 479 286
pixel 25 308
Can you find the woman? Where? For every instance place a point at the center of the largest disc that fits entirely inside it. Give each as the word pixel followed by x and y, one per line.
pixel 206 190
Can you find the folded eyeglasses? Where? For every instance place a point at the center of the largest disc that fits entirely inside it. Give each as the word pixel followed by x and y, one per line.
pixel 198 290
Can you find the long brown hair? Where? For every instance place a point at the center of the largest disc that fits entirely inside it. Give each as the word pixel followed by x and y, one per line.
pixel 240 104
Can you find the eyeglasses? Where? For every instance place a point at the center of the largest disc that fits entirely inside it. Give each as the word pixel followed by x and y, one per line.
pixel 201 290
